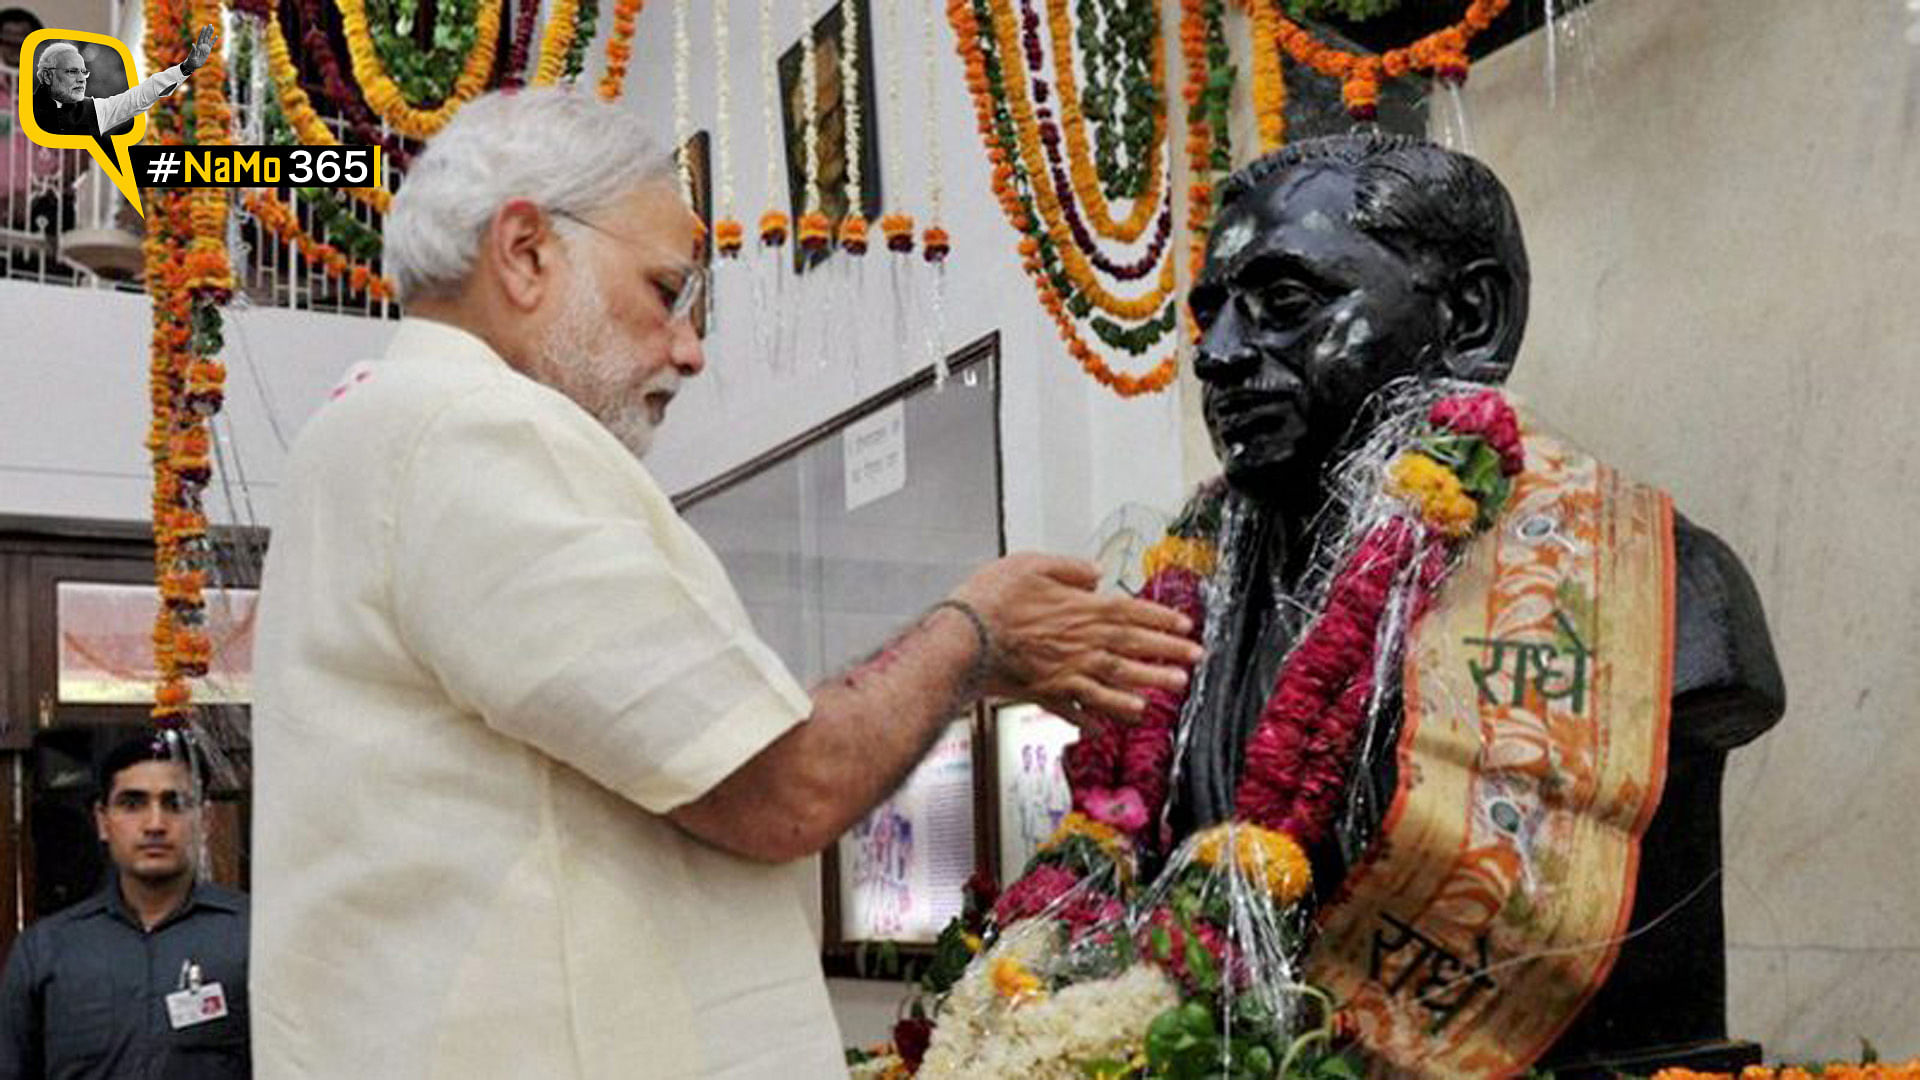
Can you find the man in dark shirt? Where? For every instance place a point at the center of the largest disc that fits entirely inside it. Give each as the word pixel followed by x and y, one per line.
pixel 147 978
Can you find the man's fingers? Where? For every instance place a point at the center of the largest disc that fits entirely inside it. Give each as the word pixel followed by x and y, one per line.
pixel 1078 573
pixel 1147 613
pixel 1135 675
pixel 1084 696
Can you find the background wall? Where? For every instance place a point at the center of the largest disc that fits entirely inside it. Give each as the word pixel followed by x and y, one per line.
pixel 1725 231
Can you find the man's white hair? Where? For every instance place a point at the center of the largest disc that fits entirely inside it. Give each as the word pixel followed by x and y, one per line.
pixel 50 55
pixel 564 149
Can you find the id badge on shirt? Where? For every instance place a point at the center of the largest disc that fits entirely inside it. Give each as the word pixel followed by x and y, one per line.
pixel 205 1003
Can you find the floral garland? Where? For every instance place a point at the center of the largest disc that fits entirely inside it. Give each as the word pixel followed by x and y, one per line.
pixel 935 244
pixel 895 226
pixel 315 44
pixel 278 219
pixel 728 234
pixel 1269 81
pixel 1120 96
pixel 1443 52
pixel 298 111
pixel 853 227
pixel 387 98
pixel 1203 47
pixel 619 48
pixel 816 233
pixel 556 44
pixel 682 116
pixel 188 277
pixel 1221 928
pixel 333 220
pixel 585 13
pixel 773 221
pixel 1867 1070
pixel 524 18
pixel 422 74
pixel 1085 177
pixel 1062 276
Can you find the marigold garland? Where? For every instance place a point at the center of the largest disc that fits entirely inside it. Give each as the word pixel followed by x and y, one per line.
pixel 299 113
pixel 1272 858
pixel 279 219
pixel 386 97
pixel 1085 177
pixel 980 27
pixel 619 48
pixel 556 43
pixel 1269 80
pixel 1443 52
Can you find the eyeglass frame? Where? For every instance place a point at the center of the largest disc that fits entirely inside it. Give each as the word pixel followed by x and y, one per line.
pixel 695 288
pixel 70 72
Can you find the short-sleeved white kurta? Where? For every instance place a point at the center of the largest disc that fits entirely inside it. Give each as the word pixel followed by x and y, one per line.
pixel 490 655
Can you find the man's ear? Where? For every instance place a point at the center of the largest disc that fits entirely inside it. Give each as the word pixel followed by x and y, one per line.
pixel 521 250
pixel 100 821
pixel 1484 320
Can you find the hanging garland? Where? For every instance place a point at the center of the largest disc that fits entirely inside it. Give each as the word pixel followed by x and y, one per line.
pixel 1083 169
pixel 279 219
pixel 298 111
pixel 1269 81
pixel 1443 52
pixel 586 14
pixel 853 227
pixel 773 220
pixel 984 29
pixel 1118 37
pixel 682 116
pixel 728 233
pixel 334 220
pixel 619 48
pixel 556 43
pixel 1209 86
pixel 316 46
pixel 896 226
pixel 524 18
pixel 427 74
pixel 816 234
pixel 188 277
pixel 387 98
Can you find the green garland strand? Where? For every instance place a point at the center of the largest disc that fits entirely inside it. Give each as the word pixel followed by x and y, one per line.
pixel 1351 10
pixel 425 76
pixel 333 223
pixel 586 24
pixel 1116 40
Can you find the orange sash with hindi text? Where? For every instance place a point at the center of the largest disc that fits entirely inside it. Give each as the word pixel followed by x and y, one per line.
pixel 1531 758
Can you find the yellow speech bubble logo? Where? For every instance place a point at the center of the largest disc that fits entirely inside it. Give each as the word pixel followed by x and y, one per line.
pixel 109 151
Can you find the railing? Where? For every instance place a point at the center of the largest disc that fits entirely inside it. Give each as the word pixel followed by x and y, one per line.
pixel 63 222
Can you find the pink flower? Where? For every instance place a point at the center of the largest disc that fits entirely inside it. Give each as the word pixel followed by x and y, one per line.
pixel 1121 808
pixel 1487 415
pixel 1040 890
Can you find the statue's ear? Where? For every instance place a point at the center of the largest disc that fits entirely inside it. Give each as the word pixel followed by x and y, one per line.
pixel 1485 317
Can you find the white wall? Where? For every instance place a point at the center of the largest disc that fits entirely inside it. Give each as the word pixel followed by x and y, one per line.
pixel 74 408
pixel 1725 230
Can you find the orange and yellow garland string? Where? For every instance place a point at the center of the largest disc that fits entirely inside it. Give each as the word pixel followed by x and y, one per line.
pixel 619 48
pixel 1443 52
pixel 299 111
pixel 384 94
pixel 1005 30
pixel 279 219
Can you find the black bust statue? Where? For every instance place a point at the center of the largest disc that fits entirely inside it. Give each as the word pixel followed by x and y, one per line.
pixel 1339 265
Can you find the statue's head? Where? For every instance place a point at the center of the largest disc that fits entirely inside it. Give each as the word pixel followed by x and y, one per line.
pixel 1336 266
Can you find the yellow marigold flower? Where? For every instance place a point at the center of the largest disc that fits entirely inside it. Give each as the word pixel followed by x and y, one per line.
pixel 1115 846
pixel 1444 505
pixel 974 944
pixel 1011 980
pixel 1262 855
pixel 1195 555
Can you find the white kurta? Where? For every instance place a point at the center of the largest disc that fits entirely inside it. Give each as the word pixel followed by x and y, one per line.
pixel 490 655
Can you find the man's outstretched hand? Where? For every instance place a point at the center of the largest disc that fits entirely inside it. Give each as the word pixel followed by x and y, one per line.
pixel 202 48
pixel 1077 652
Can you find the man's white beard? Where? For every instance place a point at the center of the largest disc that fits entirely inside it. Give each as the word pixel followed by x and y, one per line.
pixel 583 357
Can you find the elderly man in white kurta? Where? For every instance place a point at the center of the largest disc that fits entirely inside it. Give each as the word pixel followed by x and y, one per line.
pixel 529 792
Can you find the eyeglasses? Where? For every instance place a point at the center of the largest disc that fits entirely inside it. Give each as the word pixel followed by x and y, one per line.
pixel 685 299
pixel 72 73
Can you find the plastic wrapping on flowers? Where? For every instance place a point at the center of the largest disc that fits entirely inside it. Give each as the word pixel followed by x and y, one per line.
pixel 1125 952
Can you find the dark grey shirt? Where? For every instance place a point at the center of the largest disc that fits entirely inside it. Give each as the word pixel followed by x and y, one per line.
pixel 84 995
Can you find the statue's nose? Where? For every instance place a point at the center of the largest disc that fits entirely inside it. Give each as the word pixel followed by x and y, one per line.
pixel 1225 354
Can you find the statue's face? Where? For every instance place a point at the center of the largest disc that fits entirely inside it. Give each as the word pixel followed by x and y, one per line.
pixel 1302 317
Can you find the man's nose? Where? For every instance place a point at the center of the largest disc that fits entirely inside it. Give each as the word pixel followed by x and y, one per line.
pixel 689 354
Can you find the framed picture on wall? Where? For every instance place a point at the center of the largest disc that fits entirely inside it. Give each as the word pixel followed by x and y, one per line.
pixel 1031 795
pixel 830 121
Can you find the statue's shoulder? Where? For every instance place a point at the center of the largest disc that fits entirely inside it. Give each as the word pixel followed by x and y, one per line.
pixel 1199 516
pixel 1727 687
